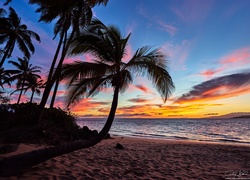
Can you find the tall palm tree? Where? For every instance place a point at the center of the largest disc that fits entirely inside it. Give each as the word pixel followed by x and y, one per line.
pixel 34 84
pixel 107 47
pixel 23 72
pixel 4 78
pixel 12 32
pixel 71 16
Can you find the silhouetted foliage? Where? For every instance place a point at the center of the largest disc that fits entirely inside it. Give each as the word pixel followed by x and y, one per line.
pixel 17 125
pixel 14 34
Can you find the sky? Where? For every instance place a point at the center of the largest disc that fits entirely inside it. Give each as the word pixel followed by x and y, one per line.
pixel 207 44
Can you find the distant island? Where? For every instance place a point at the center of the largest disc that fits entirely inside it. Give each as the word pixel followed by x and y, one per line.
pixel 244 116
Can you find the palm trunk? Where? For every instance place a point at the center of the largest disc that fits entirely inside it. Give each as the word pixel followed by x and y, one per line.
pixel 21 92
pixel 54 94
pixel 14 165
pixel 55 76
pixel 52 67
pixel 49 83
pixel 32 95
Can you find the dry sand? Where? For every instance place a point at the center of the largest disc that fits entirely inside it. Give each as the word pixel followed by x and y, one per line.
pixel 146 159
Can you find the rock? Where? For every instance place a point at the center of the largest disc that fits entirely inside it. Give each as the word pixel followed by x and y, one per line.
pixel 119 146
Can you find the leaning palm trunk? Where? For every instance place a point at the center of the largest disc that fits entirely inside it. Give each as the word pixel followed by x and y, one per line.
pixel 16 164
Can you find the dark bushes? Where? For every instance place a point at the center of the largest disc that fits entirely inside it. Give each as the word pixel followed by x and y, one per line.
pixel 18 125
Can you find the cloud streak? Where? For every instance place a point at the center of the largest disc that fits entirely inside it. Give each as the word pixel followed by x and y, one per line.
pixel 218 88
pixel 190 11
pixel 167 27
pixel 178 53
pixel 234 61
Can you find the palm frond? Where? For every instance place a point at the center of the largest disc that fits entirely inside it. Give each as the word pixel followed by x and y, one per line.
pixel 153 65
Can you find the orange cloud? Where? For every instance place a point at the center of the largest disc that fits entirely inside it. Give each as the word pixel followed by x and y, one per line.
pixel 89 106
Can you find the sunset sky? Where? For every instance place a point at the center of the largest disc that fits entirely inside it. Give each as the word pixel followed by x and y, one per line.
pixel 208 48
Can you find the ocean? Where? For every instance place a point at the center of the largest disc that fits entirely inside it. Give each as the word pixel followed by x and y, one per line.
pixel 211 130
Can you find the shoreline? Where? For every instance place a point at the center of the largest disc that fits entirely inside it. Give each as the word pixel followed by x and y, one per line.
pixel 247 144
pixel 144 158
pixel 203 130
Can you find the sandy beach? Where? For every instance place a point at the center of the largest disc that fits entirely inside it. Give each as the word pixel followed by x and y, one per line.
pixel 145 159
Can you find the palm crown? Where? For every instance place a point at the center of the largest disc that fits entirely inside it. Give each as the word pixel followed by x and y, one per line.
pixel 23 73
pixel 108 47
pixel 12 32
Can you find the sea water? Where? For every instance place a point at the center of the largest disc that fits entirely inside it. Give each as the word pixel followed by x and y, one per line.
pixel 213 130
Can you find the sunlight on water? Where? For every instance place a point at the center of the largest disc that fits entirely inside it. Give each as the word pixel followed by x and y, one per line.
pixel 214 130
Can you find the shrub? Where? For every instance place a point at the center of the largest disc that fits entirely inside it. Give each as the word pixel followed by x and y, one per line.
pixel 56 125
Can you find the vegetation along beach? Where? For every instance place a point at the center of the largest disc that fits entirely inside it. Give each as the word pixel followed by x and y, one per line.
pixel 112 89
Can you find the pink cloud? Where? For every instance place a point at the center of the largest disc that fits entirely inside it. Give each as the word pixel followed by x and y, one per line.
pixel 24 97
pixel 60 104
pixel 129 53
pixel 178 53
pixel 88 58
pixel 169 28
pixel 69 60
pixel 154 19
pixel 138 100
pixel 191 11
pixel 142 88
pixel 210 72
pixel 238 59
pixel 61 93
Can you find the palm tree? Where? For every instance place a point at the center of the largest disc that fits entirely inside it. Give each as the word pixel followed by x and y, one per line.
pixel 71 16
pixel 35 84
pixel 12 32
pixel 86 79
pixel 24 72
pixel 108 47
